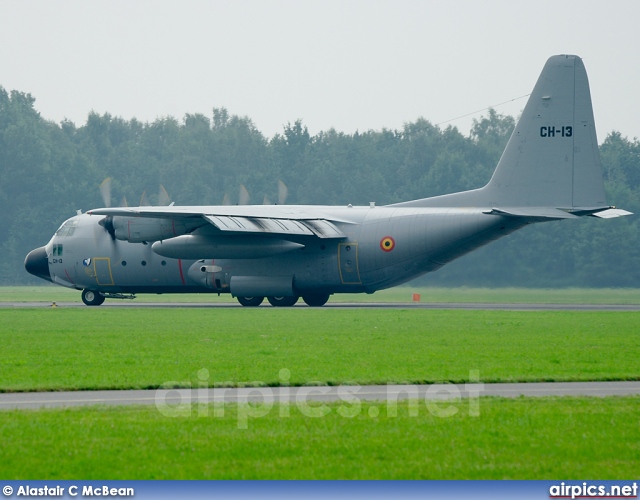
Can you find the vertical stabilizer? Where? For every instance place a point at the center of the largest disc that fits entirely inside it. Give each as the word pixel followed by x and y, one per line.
pixel 552 157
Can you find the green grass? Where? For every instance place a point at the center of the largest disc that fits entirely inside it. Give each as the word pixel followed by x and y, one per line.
pixel 546 438
pixel 399 294
pixel 99 348
pixel 524 438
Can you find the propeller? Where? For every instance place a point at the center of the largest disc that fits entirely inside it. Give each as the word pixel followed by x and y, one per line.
pixel 144 201
pixel 226 200
pixel 163 196
pixel 105 192
pixel 283 192
pixel 107 224
pixel 244 197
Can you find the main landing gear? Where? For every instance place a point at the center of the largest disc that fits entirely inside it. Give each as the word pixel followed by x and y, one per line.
pixel 92 298
pixel 312 300
pixel 250 301
pixel 282 301
pixel 316 299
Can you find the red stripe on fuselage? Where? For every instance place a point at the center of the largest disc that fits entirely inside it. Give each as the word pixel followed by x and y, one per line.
pixel 65 272
pixel 181 274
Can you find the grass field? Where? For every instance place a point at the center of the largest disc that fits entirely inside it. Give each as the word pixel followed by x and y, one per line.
pixel 54 293
pixel 568 438
pixel 99 348
pixel 524 438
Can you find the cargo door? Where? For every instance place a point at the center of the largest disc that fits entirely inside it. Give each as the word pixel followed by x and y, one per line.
pixel 102 269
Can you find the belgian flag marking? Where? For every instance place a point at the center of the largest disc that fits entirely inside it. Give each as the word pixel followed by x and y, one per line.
pixel 387 244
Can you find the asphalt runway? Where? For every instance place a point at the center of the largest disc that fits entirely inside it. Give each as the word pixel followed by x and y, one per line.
pixel 173 398
pixel 346 305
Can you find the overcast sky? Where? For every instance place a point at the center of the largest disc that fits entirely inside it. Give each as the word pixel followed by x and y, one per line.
pixel 348 64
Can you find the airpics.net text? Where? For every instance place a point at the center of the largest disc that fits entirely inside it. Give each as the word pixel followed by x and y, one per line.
pixel 257 400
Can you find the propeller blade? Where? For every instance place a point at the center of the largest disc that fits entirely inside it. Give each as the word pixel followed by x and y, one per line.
pixel 226 200
pixel 266 200
pixel 283 192
pixel 163 196
pixel 244 196
pixel 124 203
pixel 105 192
pixel 144 201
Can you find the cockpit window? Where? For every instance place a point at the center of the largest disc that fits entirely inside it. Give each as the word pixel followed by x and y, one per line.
pixel 68 228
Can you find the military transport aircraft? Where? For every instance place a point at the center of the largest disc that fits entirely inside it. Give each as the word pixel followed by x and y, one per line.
pixel 550 170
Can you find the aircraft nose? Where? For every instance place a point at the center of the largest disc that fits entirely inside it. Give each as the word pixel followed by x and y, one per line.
pixel 37 263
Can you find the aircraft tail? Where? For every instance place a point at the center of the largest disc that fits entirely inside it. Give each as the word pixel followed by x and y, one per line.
pixel 552 158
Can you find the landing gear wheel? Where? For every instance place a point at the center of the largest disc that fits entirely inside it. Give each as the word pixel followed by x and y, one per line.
pixel 282 301
pixel 316 299
pixel 250 301
pixel 92 298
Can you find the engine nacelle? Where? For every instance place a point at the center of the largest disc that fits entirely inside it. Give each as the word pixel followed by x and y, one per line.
pixel 223 247
pixel 143 229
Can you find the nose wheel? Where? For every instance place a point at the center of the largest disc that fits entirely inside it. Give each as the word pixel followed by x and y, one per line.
pixel 92 298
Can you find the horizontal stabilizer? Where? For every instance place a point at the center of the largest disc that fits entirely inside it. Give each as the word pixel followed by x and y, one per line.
pixel 546 213
pixel 539 213
pixel 612 213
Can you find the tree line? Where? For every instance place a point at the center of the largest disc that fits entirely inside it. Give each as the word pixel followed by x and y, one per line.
pixel 49 170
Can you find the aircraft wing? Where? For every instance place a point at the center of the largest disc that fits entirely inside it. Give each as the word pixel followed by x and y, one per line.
pixel 243 219
pixel 304 227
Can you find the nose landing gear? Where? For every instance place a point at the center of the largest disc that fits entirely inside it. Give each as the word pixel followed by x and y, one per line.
pixel 92 298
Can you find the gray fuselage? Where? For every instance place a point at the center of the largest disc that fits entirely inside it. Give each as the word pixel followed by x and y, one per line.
pixel 383 247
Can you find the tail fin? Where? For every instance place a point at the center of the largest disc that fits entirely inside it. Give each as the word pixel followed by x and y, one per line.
pixel 552 158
